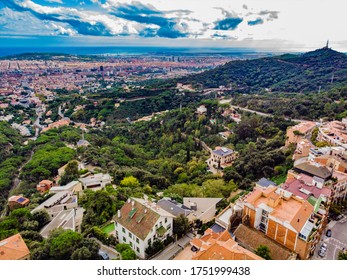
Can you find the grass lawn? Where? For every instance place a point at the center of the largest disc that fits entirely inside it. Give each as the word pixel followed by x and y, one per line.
pixel 279 179
pixel 108 228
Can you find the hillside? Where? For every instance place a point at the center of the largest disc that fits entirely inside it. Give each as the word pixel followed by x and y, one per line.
pixel 287 73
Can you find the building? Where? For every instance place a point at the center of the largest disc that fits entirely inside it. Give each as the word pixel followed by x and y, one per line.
pixel 66 219
pixel 335 133
pixel 219 246
pixel 310 168
pixel 221 157
pixel 302 149
pixel 95 181
pixel 201 110
pixel 14 248
pixel 72 187
pixel 289 220
pixel 44 186
pixel 225 134
pixel 297 133
pixel 203 209
pixel 334 162
pixel 140 222
pixel 57 124
pixel 265 183
pixel 173 207
pixel 58 202
pixel 17 201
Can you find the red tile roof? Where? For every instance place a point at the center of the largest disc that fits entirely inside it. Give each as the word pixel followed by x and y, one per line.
pixel 13 248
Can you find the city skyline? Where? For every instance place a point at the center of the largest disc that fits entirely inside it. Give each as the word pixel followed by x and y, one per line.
pixel 268 25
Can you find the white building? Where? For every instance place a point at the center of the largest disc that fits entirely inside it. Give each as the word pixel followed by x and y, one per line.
pixel 96 181
pixel 140 222
pixel 201 110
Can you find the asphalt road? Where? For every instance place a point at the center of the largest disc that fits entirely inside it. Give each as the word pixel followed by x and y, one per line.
pixel 335 243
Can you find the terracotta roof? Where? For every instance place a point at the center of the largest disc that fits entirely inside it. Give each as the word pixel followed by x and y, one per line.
pixel 19 199
pixel 223 247
pixel 13 248
pixel 46 182
pixel 139 218
pixel 295 211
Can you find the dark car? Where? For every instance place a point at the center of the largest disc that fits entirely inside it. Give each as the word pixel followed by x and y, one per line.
pixel 328 233
pixel 104 255
pixel 322 252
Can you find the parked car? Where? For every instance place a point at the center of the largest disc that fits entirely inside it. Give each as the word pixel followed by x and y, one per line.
pixel 322 252
pixel 104 255
pixel 328 233
pixel 324 245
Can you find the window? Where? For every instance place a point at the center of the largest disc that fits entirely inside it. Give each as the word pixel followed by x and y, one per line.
pixel 161 224
pixel 168 227
pixel 137 240
pixel 123 229
pixel 131 244
pixel 165 220
pixel 124 240
pixel 130 235
pixel 137 249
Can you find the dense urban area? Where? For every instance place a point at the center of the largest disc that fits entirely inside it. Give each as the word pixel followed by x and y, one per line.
pixel 199 157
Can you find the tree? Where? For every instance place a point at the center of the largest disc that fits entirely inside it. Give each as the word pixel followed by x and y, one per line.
pixel 342 255
pixel 63 245
pixel 181 225
pixel 42 217
pixel 264 252
pixel 128 254
pixel 130 182
pixel 71 173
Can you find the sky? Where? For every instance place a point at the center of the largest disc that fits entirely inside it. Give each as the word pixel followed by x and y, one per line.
pixel 261 24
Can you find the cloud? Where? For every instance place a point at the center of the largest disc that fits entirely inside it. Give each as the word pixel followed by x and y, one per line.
pixel 228 23
pixel 55 1
pixel 271 14
pixel 255 22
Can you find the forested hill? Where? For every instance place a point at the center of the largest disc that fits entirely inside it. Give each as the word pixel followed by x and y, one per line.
pixel 288 73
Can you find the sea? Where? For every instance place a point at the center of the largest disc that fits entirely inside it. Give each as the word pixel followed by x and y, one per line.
pixel 138 50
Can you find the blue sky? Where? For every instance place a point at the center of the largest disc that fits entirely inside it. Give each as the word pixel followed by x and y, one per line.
pixel 266 24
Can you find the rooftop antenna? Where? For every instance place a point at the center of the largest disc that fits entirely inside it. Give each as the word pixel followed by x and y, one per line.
pixel 332 78
pixel 319 89
pixel 327 45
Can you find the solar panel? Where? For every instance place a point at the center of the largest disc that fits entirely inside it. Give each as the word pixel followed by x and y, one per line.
pixel 21 199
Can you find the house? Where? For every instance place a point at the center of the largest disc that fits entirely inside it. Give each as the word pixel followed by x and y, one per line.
pixel 310 168
pixel 95 181
pixel 285 218
pixel 297 133
pixel 140 222
pixel 57 124
pixel 334 133
pixel 74 186
pixel 265 183
pixel 44 186
pixel 66 219
pixel 216 246
pixel 228 219
pixel 225 134
pixel 17 201
pixel 203 209
pixel 201 110
pixel 221 157
pixel 58 202
pixel 302 149
pixel 173 207
pixel 14 248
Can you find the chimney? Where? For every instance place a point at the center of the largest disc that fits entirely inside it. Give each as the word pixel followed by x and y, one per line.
pixel 145 210
pixel 132 204
pixel 119 215
pixel 129 200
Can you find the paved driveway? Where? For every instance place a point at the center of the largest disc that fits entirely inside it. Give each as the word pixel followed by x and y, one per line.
pixel 172 250
pixel 335 243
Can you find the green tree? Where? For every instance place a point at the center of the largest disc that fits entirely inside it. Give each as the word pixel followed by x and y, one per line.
pixel 342 256
pixel 71 173
pixel 64 244
pixel 181 225
pixel 128 254
pixel 130 182
pixel 264 252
